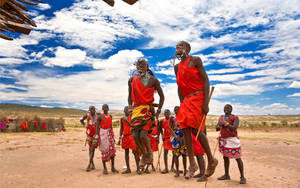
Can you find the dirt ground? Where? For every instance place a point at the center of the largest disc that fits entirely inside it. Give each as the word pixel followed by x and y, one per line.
pixel 271 159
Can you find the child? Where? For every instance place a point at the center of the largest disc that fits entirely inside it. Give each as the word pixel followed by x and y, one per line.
pixel 92 138
pixel 127 141
pixel 179 148
pixel 154 142
pixel 165 129
pixel 229 142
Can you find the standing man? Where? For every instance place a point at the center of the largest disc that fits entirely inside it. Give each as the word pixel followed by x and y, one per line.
pixel 193 92
pixel 92 137
pixel 127 141
pixel 141 88
pixel 106 141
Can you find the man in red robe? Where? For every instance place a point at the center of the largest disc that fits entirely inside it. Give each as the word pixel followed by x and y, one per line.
pixel 127 141
pixel 141 88
pixel 106 139
pixel 193 91
pixel 92 138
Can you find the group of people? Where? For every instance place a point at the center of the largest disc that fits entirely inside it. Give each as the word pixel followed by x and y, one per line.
pixel 184 134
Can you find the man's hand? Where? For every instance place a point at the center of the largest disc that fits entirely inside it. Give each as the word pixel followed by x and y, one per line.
pixel 205 109
pixel 218 128
pixel 119 142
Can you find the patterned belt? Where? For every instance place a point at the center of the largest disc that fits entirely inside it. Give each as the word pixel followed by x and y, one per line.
pixel 195 93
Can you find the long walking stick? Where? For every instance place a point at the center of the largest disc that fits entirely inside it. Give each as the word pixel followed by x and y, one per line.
pixel 203 117
pixel 159 154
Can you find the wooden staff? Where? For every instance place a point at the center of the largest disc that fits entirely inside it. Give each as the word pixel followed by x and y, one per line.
pixel 204 116
pixel 159 153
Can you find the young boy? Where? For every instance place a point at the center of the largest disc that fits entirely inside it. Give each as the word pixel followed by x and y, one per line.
pixel 229 142
pixel 154 142
pixel 165 130
pixel 106 141
pixel 127 141
pixel 179 148
pixel 92 138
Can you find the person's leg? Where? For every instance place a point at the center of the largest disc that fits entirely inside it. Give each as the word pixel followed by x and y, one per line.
pixel 136 137
pixel 226 167
pixel 201 164
pixel 138 142
pixel 147 169
pixel 184 164
pixel 241 168
pixel 90 156
pixel 137 161
pixel 92 159
pixel 176 161
pixel 145 140
pixel 113 169
pixel 172 164
pixel 104 167
pixel 190 150
pixel 127 162
pixel 153 169
pixel 166 170
pixel 212 162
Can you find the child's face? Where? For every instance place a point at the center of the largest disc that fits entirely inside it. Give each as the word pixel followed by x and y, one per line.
pixel 167 113
pixel 176 109
pixel 227 109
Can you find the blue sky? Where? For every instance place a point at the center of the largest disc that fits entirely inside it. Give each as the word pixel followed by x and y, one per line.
pixel 82 52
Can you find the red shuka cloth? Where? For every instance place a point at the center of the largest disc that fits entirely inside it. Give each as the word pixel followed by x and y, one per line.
pixel 153 138
pixel 141 94
pixel 198 149
pixel 167 134
pixel 106 123
pixel 225 132
pixel 127 139
pixel 190 81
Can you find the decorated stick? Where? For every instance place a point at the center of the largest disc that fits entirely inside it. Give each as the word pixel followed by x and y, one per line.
pixel 203 117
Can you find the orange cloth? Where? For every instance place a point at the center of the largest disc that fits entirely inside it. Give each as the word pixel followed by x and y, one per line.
pixel 141 94
pixel 190 81
pixel 106 123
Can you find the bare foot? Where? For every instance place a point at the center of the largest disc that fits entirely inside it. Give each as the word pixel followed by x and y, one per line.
pixel 211 168
pixel 243 180
pixel 176 174
pixel 191 171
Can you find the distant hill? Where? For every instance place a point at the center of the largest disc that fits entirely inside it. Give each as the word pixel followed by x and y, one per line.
pixel 18 109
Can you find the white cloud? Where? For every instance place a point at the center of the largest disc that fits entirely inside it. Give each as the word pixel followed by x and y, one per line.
pixel 65 57
pixel 226 77
pixel 294 95
pixel 223 71
pixel 122 60
pixel 166 71
pixel 234 90
pixel 295 84
pixel 43 6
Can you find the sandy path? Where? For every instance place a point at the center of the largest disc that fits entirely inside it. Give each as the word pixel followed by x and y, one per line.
pixel 271 159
